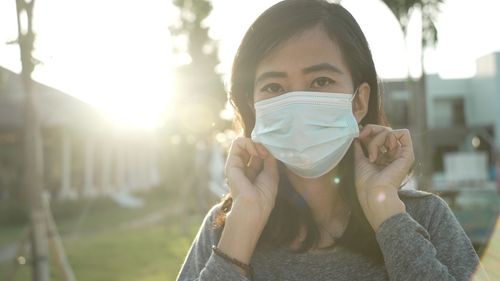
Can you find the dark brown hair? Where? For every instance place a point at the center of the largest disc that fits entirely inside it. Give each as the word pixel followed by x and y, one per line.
pixel 274 27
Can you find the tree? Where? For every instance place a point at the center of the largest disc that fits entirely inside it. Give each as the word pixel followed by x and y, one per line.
pixel 33 169
pixel 41 221
pixel 200 93
pixel 403 9
pixel 199 99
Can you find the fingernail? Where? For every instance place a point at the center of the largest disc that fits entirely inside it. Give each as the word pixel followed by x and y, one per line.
pixel 249 161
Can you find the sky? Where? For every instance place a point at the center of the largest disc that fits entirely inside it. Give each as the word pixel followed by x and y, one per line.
pixel 120 59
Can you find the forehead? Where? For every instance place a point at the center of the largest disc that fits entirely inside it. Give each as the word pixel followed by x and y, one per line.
pixel 310 47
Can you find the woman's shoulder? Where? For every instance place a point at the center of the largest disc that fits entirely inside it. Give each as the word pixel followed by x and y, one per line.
pixel 413 193
pixel 213 215
pixel 423 206
pixel 211 227
pixel 421 199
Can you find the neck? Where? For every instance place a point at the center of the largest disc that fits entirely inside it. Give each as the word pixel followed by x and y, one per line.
pixel 322 196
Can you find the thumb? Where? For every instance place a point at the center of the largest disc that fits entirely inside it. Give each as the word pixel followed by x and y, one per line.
pixel 268 179
pixel 359 155
pixel 270 166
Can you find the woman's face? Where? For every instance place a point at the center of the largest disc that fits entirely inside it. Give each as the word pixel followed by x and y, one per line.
pixel 310 61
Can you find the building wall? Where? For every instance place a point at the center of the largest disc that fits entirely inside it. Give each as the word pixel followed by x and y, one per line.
pixel 457 110
pixel 443 96
pixel 480 95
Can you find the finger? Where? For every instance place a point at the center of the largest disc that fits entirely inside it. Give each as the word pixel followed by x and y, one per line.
pixel 359 155
pixel 391 149
pixel 262 150
pixel 371 129
pixel 242 145
pixel 403 137
pixel 391 142
pixel 241 149
pixel 269 169
pixel 376 143
pixel 405 157
pixel 253 168
pixel 392 146
pixel 271 166
pixel 239 154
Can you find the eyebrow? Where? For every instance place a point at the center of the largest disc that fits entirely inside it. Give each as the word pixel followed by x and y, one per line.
pixel 270 74
pixel 321 67
pixel 309 69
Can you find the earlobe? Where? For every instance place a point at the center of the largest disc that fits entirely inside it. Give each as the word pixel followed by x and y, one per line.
pixel 360 103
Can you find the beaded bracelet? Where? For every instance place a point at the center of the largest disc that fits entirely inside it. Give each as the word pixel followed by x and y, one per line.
pixel 246 267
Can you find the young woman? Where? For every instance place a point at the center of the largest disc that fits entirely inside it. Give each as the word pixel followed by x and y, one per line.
pixel 315 177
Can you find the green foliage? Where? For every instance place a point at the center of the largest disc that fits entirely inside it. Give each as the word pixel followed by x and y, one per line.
pixel 13 213
pixel 200 94
pixel 402 9
pixel 103 249
pixel 200 46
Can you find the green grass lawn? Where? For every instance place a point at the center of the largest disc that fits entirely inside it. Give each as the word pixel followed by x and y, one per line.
pixel 151 253
pixel 10 234
pixel 100 248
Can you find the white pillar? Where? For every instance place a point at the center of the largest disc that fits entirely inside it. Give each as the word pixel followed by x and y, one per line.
pixel 141 166
pixel 153 169
pixel 120 172
pixel 136 166
pixel 106 185
pixel 66 192
pixel 130 167
pixel 88 176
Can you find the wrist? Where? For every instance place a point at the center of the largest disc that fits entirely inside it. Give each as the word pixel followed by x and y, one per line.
pixel 398 208
pixel 241 232
pixel 248 209
pixel 381 203
pixel 239 239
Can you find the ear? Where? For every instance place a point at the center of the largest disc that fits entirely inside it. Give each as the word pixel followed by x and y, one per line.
pixel 360 102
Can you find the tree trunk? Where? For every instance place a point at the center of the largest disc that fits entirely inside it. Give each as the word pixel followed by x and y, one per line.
pixel 423 165
pixel 33 158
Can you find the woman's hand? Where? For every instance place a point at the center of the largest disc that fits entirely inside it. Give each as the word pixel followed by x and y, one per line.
pixel 380 175
pixel 252 176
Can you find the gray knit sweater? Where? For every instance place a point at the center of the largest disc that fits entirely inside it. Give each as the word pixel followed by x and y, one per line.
pixel 425 243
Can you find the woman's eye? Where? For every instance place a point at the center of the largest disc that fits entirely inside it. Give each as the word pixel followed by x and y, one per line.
pixel 321 82
pixel 272 88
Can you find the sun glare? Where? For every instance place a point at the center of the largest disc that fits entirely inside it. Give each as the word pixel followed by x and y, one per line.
pixel 141 102
pixel 121 66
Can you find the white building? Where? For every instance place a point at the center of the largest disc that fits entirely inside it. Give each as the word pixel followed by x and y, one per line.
pixel 84 153
pixel 463 119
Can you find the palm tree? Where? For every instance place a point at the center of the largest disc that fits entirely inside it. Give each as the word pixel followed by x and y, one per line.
pixel 429 9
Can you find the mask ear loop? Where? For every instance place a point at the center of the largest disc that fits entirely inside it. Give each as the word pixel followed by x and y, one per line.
pixel 352 98
pixel 354 95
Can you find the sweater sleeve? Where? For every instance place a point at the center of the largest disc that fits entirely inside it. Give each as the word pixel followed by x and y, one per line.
pixel 201 263
pixel 440 252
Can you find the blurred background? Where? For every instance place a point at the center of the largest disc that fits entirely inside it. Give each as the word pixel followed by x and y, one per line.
pixel 114 123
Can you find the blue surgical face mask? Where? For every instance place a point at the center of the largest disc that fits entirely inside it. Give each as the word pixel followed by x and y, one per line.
pixel 309 132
